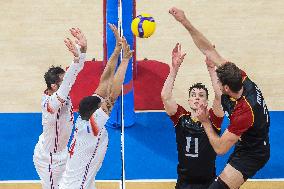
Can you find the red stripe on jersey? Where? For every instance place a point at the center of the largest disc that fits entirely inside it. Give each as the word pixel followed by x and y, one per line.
pixel 94 126
pixel 242 117
pixel 71 151
pixel 49 109
pixel 244 75
pixel 215 120
pixel 180 112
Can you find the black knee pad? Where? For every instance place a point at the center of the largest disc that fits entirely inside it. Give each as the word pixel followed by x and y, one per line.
pixel 218 184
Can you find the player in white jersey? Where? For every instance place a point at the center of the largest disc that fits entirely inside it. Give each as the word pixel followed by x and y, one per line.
pixel 50 153
pixel 90 141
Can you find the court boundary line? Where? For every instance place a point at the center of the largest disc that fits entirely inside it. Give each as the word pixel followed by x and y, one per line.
pixel 131 181
pixel 148 111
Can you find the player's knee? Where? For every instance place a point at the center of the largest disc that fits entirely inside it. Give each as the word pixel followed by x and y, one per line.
pixel 218 184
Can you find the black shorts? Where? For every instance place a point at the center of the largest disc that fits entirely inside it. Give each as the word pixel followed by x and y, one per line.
pixel 181 184
pixel 185 185
pixel 248 164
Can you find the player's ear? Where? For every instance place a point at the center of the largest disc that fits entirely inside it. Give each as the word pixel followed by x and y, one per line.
pixel 54 87
pixel 227 88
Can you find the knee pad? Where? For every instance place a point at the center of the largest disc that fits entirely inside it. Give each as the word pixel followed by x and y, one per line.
pixel 218 184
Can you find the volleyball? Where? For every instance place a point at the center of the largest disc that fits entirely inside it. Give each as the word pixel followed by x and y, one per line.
pixel 143 26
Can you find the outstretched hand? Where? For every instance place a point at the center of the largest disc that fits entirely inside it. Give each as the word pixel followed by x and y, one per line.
pixel 127 53
pixel 203 114
pixel 177 57
pixel 80 39
pixel 71 47
pixel 178 14
pixel 116 35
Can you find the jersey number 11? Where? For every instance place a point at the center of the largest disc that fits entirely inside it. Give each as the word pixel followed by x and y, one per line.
pixel 189 148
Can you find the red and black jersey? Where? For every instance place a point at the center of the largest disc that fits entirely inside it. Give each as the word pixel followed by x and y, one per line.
pixel 196 157
pixel 249 118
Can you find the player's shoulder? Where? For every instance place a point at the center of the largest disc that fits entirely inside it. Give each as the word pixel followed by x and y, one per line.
pixel 44 100
pixel 181 113
pixel 182 109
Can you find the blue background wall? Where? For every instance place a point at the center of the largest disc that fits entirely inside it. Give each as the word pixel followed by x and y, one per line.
pixel 150 148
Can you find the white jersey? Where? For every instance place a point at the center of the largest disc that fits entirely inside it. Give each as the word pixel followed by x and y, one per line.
pixel 50 154
pixel 87 152
pixel 57 124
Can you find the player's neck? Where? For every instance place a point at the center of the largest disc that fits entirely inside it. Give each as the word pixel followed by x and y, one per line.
pixel 238 94
pixel 193 114
pixel 49 92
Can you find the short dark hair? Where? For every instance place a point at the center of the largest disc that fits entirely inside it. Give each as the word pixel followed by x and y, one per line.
pixel 229 74
pixel 88 105
pixel 52 75
pixel 198 86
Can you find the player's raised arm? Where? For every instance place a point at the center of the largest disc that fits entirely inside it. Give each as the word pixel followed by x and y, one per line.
pixel 217 107
pixel 117 83
pixel 199 39
pixel 166 94
pixel 76 66
pixel 108 73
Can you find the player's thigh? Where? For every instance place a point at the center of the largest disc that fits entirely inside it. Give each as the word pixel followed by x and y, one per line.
pixel 232 177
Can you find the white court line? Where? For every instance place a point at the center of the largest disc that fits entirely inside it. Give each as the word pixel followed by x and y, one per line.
pixel 138 180
pixel 145 111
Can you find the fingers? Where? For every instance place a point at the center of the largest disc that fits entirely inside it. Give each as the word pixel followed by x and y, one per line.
pixel 173 10
pixel 182 56
pixel 127 52
pixel 71 47
pixel 203 108
pixel 124 43
pixel 176 48
pixel 76 32
pixel 114 29
pixel 69 44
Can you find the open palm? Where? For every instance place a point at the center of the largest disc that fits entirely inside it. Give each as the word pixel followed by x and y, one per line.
pixel 177 56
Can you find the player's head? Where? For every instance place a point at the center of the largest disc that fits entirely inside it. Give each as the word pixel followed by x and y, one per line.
pixel 88 105
pixel 53 77
pixel 230 78
pixel 198 94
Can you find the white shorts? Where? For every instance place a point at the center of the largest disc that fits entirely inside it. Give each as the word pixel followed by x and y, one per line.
pixel 87 157
pixel 49 166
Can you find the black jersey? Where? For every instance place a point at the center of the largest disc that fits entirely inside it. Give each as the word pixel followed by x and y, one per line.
pixel 196 157
pixel 249 118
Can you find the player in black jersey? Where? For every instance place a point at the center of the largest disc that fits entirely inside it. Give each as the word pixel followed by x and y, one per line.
pixel 196 157
pixel 243 103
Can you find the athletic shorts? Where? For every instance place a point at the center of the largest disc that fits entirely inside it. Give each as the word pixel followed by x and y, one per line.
pixel 185 185
pixel 248 164
pixel 49 166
